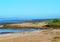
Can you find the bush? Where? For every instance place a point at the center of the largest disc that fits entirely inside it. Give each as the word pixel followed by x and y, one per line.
pixel 55 22
pixel 35 22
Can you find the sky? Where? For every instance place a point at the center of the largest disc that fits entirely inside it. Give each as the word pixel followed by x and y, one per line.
pixel 30 9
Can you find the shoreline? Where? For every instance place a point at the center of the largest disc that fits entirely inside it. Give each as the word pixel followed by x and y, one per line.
pixel 18 34
pixel 33 36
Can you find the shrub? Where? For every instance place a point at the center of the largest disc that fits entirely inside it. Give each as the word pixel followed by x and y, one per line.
pixel 55 22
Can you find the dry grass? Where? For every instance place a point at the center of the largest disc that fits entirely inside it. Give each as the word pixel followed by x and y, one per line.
pixel 56 37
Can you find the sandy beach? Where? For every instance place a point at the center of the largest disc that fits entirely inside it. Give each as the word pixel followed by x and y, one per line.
pixel 33 36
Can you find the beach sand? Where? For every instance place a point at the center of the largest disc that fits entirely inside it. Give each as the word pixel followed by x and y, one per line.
pixel 33 36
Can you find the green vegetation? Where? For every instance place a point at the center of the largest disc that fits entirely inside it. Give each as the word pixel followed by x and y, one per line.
pixel 55 22
pixel 35 22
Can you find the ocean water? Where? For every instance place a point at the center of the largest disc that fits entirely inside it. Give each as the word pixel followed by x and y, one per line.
pixel 18 30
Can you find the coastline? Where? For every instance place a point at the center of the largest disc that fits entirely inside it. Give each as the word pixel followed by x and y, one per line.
pixel 33 36
pixel 47 35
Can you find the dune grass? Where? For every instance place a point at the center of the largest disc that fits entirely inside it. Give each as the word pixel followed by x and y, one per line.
pixel 54 22
pixel 35 22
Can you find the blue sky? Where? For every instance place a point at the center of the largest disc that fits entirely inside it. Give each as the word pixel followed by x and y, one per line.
pixel 30 9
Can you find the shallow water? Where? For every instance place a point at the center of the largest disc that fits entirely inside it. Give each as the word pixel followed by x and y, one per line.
pixel 2 31
pixel 18 30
